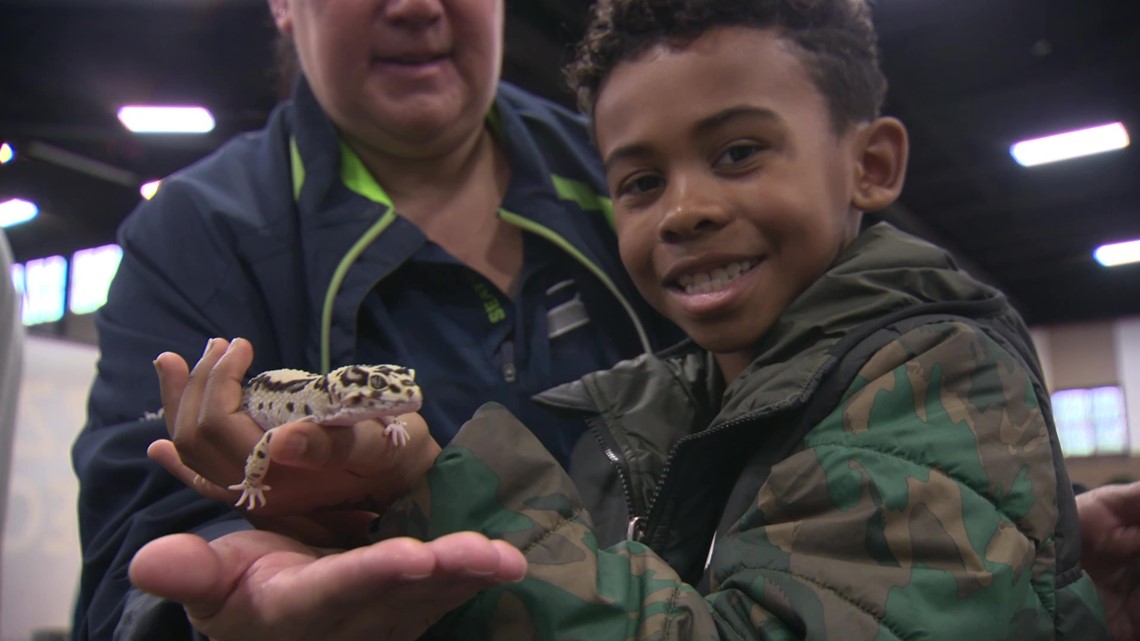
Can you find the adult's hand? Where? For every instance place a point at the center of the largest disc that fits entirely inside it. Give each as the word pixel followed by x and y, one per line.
pixel 327 482
pixel 262 585
pixel 1110 552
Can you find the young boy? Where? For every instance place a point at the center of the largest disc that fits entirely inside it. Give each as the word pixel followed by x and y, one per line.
pixel 856 444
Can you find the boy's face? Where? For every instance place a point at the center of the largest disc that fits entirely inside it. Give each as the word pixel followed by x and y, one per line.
pixel 732 192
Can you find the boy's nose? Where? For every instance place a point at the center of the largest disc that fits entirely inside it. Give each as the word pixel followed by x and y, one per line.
pixel 691 212
pixel 413 12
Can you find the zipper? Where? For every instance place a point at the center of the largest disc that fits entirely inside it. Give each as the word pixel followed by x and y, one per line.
pixel 618 463
pixel 643 525
pixel 507 356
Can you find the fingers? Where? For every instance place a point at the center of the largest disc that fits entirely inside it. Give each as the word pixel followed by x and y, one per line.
pixel 183 568
pixel 194 389
pixel 1125 499
pixel 471 554
pixel 172 374
pixel 362 449
pixel 211 434
pixel 356 576
pixel 165 454
pixel 256 584
pixel 359 458
pixel 512 563
pixel 223 380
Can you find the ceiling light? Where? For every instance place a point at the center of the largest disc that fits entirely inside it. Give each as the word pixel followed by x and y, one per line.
pixel 1072 144
pixel 7 153
pixel 148 190
pixel 171 120
pixel 1118 253
pixel 16 211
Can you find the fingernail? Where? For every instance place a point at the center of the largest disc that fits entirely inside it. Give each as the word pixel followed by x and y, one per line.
pixel 477 573
pixel 209 344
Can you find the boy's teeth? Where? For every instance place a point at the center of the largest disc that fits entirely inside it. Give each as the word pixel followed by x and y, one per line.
pixel 719 278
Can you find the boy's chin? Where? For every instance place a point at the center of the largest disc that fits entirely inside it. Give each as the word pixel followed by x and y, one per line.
pixel 721 344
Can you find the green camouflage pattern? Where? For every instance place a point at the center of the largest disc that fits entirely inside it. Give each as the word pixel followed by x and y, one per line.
pixel 923 506
pixel 919 508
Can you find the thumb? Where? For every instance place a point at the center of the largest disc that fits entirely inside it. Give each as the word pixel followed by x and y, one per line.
pixel 182 568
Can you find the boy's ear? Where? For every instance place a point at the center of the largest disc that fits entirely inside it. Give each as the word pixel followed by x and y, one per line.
pixel 282 15
pixel 881 164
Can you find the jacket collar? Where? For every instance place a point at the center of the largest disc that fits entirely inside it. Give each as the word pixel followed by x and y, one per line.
pixel 335 221
pixel 318 156
pixel 883 272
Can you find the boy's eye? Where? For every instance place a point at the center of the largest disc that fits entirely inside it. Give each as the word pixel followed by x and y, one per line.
pixel 737 153
pixel 639 184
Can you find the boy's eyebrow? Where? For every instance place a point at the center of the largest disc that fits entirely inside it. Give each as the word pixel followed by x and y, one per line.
pixel 720 118
pixel 627 151
pixel 703 126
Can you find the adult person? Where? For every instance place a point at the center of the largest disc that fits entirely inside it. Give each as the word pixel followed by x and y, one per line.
pixel 498 277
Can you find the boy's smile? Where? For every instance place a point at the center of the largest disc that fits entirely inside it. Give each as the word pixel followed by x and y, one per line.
pixel 732 190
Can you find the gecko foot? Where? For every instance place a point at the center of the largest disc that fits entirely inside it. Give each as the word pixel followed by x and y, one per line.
pixel 397 430
pixel 250 493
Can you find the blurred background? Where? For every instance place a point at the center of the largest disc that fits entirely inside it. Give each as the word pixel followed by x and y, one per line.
pixel 970 78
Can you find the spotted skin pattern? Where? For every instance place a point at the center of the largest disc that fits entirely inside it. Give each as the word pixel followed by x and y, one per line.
pixel 345 396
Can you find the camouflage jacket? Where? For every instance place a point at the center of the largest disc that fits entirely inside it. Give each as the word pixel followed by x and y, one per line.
pixel 886 468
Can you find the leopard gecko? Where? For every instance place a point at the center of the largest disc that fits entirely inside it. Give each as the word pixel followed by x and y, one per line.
pixel 344 396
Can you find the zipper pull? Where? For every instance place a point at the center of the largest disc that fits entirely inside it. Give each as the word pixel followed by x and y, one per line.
pixel 636 529
pixel 510 371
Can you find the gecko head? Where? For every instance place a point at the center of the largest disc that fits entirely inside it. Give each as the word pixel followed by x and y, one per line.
pixel 381 387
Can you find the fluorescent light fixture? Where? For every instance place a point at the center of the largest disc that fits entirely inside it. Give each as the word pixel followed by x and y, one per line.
pixel 16 211
pixel 1118 253
pixel 148 190
pixel 1072 144
pixel 44 290
pixel 18 279
pixel 169 120
pixel 7 153
pixel 91 273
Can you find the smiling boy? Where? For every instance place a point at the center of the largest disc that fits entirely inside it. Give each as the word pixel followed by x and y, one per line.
pixel 735 186
pixel 856 444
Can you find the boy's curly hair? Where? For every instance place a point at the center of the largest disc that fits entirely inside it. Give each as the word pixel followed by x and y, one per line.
pixel 836 40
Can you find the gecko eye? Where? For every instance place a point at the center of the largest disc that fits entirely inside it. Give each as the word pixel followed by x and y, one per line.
pixel 377 381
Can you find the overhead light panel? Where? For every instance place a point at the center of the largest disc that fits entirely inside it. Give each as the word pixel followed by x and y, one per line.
pixel 1071 144
pixel 149 189
pixel 145 119
pixel 16 211
pixel 1118 253
pixel 7 153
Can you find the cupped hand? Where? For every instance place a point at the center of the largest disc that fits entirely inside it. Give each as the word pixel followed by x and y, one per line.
pixel 1110 553
pixel 327 482
pixel 262 585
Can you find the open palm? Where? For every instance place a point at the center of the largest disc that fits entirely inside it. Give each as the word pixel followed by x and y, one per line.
pixel 257 584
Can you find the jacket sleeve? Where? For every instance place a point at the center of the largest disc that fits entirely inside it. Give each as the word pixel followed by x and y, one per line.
pixel 177 272
pixel 573 589
pixel 923 506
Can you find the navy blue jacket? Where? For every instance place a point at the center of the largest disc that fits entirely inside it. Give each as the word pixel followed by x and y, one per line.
pixel 248 243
